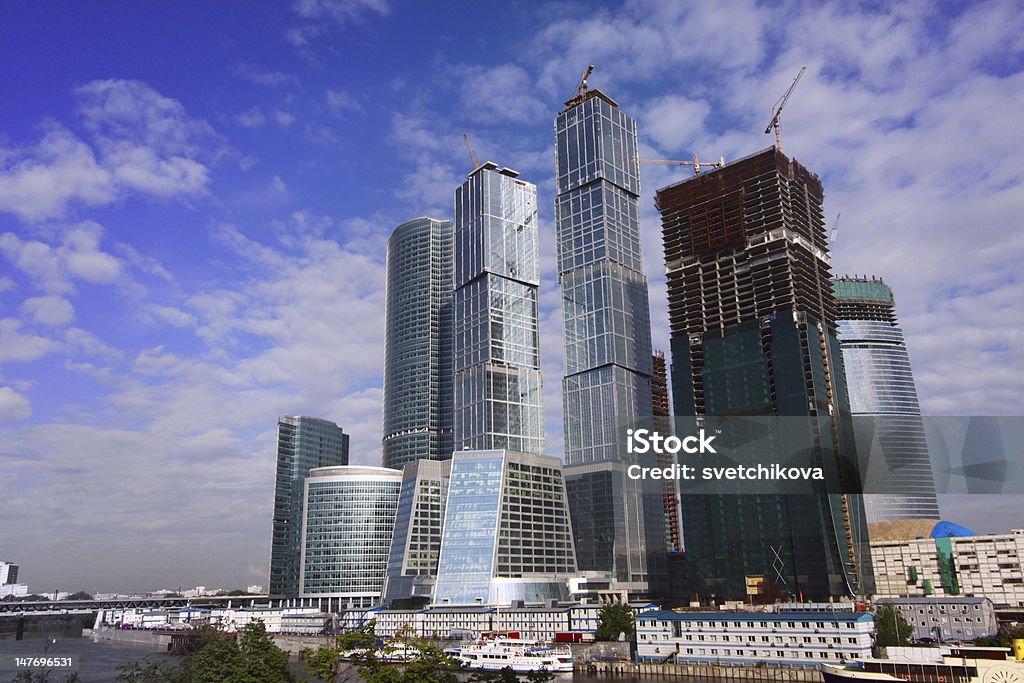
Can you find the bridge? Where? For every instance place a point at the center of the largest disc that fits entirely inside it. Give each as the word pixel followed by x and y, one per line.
pixel 86 606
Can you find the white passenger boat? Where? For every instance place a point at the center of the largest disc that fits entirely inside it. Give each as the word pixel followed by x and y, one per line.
pixel 959 665
pixel 520 656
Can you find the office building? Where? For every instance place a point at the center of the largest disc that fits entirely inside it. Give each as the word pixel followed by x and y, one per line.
pixel 418 343
pixel 506 533
pixel 303 443
pixel 891 445
pixel 416 544
pixel 607 336
pixel 346 535
pixel 925 558
pixel 753 333
pixel 8 573
pixel 943 619
pixel 754 638
pixel 497 382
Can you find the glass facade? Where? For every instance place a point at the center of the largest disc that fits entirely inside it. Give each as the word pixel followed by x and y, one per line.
pixel 416 544
pixel 303 443
pixel 347 530
pixel 418 343
pixel 506 532
pixel 753 333
pixel 607 330
pixel 894 457
pixel 497 379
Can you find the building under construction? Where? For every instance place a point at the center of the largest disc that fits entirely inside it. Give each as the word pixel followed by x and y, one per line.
pixel 752 319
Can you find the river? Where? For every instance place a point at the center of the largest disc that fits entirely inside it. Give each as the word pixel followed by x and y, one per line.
pixel 98 660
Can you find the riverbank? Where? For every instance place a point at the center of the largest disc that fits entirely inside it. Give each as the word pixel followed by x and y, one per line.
pixel 705 672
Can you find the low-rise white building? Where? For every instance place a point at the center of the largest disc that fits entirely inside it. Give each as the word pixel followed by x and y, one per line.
pixel 798 638
pixel 953 618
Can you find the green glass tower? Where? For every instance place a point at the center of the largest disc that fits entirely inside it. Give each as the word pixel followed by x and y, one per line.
pixel 753 328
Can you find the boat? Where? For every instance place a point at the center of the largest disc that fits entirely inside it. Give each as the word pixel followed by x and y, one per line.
pixel 520 656
pixel 958 665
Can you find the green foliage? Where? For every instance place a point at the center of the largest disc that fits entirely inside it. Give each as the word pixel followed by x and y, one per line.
pixel 217 657
pixel 150 671
pixel 79 595
pixel 1004 637
pixel 891 628
pixel 613 620
pixel 422 661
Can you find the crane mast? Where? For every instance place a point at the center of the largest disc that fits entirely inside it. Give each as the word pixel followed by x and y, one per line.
pixel 774 124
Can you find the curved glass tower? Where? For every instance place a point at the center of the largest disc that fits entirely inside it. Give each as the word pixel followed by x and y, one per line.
pixel 892 452
pixel 418 343
pixel 346 534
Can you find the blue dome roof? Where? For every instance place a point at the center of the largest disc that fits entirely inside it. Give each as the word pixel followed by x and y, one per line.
pixel 945 529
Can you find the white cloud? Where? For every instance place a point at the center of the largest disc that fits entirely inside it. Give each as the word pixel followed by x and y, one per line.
pixel 53 268
pixel 251 118
pixel 341 11
pixel 501 93
pixel 283 118
pixel 173 316
pixel 674 122
pixel 339 101
pixel 18 347
pixel 13 406
pixel 55 311
pixel 261 76
pixel 144 142
pixel 59 170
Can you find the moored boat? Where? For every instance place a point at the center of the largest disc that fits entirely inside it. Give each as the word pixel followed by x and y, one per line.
pixel 959 665
pixel 517 655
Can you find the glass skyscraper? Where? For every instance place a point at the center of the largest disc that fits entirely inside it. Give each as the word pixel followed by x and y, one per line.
pixel 497 379
pixel 753 324
pixel 898 476
pixel 416 544
pixel 347 526
pixel 607 337
pixel 418 343
pixel 506 533
pixel 303 443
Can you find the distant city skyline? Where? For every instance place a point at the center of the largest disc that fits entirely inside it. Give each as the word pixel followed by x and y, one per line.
pixel 193 232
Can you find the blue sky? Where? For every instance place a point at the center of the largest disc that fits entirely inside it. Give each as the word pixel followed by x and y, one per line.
pixel 195 199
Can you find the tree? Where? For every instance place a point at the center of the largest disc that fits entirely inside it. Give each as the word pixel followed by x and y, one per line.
pixel 217 657
pixel 891 628
pixel 614 619
pixel 79 595
pixel 419 661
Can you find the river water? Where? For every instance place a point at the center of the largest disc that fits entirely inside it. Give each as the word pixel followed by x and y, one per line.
pixel 98 661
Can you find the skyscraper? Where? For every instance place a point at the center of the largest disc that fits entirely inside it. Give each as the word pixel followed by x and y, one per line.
pixel 752 320
pixel 348 520
pixel 898 475
pixel 418 343
pixel 416 544
pixel 303 443
pixel 506 533
pixel 498 394
pixel 607 337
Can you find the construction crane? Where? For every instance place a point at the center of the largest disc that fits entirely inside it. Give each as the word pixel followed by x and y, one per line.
pixel 696 163
pixel 835 230
pixel 581 88
pixel 473 158
pixel 777 111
